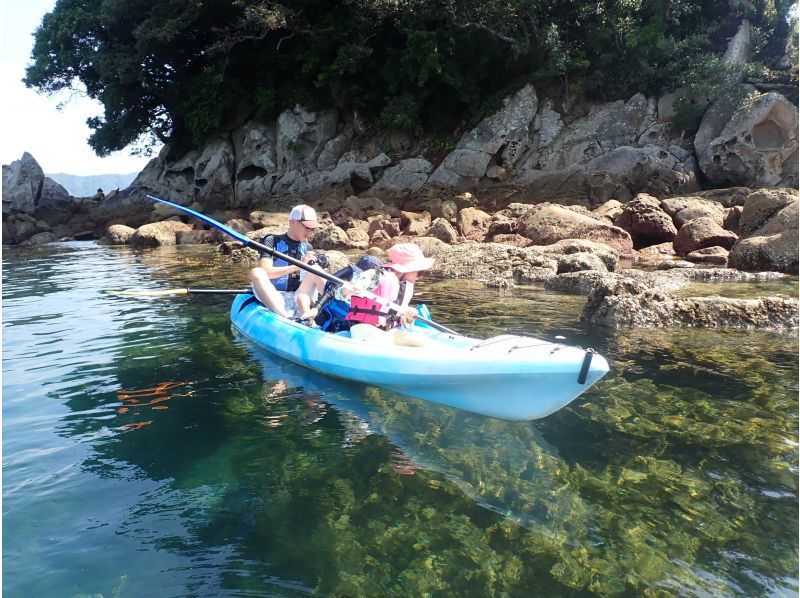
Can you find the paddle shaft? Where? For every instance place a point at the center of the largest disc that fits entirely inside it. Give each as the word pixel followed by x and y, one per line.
pixel 164 292
pixel 217 291
pixel 248 242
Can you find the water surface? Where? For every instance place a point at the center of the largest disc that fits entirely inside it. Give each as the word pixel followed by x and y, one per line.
pixel 148 450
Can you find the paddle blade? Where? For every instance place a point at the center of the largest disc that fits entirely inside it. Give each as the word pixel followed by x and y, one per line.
pixel 154 293
pixel 225 229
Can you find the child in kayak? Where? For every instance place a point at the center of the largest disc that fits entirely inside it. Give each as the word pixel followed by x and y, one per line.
pixel 334 304
pixel 396 284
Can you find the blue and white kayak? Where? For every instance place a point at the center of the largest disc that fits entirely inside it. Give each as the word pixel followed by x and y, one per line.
pixel 507 377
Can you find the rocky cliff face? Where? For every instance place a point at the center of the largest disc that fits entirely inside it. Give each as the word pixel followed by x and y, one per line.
pixel 613 151
pixel 605 151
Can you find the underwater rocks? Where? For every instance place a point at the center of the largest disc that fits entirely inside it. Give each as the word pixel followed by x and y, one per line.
pixel 616 298
pixel 627 301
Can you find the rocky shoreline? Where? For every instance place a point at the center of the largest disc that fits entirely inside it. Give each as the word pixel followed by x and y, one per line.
pixel 565 248
pixel 547 190
pixel 726 235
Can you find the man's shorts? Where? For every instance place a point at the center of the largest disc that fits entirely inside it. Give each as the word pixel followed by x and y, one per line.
pixel 289 304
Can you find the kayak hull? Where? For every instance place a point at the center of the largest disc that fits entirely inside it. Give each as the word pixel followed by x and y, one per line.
pixel 512 378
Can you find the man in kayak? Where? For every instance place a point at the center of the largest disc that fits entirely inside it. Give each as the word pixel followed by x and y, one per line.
pixel 284 288
pixel 396 284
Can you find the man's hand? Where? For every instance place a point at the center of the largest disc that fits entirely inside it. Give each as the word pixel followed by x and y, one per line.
pixel 309 314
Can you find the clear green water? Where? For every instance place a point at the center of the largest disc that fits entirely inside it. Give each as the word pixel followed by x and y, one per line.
pixel 248 476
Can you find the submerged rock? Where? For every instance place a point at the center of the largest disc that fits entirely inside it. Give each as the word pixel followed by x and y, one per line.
pixel 620 301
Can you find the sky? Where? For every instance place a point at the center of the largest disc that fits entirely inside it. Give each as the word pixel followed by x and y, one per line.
pixel 30 121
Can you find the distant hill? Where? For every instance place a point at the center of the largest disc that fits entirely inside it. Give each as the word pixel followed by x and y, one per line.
pixel 85 186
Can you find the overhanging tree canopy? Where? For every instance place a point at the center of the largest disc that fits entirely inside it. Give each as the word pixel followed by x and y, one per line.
pixel 178 70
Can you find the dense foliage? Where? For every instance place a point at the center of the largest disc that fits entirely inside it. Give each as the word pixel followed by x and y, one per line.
pixel 179 70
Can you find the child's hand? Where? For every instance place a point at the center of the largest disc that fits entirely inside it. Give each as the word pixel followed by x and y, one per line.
pixel 407 318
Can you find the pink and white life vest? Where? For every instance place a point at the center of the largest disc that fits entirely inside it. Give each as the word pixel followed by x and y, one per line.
pixel 368 311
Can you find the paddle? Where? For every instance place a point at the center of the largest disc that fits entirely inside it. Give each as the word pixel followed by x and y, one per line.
pixel 246 241
pixel 165 292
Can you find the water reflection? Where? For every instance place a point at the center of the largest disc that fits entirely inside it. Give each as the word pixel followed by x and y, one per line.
pixel 431 437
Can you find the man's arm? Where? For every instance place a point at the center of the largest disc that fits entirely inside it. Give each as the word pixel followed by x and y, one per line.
pixel 274 272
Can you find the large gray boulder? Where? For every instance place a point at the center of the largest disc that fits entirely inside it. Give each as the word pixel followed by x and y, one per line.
pixel 29 196
pixel 751 143
pixel 348 177
pixel 213 182
pixel 55 205
pixel 648 169
pixel 547 125
pixel 18 227
pixel 203 178
pixel 503 137
pixel 773 246
pixel 254 150
pixel 173 179
pixel 606 127
pixel 168 179
pixel 22 185
pixel 301 137
pixel 408 176
pixel 254 191
pixel 334 149
pixel 548 223
pixel 619 174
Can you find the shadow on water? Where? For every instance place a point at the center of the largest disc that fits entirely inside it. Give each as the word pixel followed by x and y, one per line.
pixel 229 471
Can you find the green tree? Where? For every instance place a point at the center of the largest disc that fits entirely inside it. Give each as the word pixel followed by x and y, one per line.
pixel 179 71
pixel 142 60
